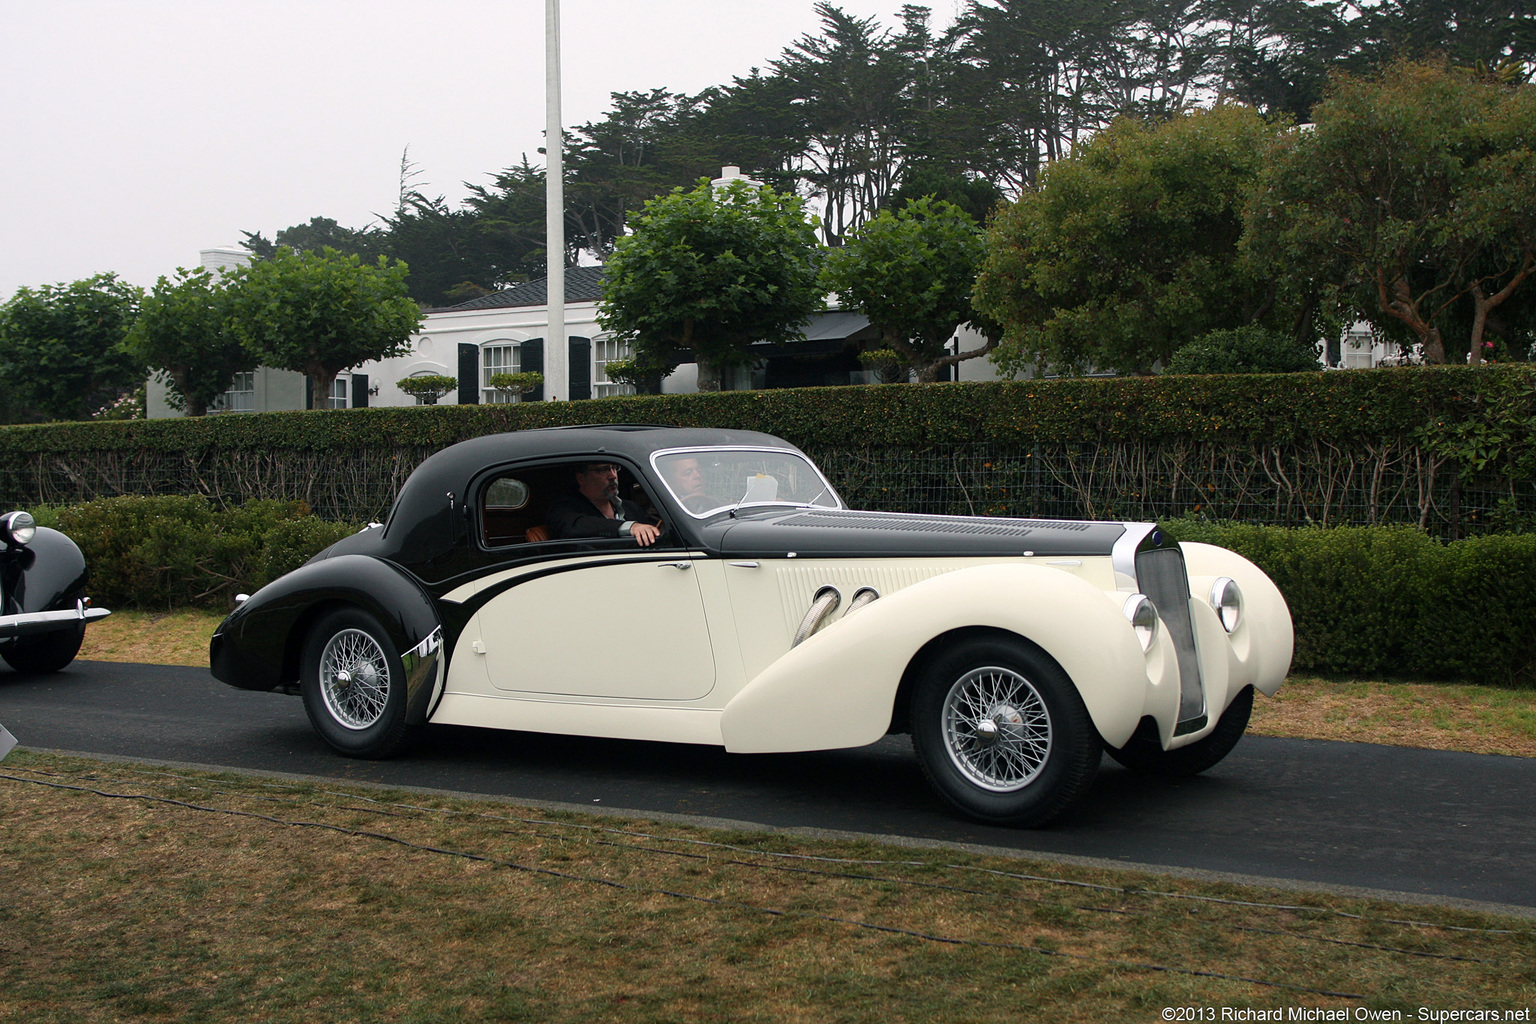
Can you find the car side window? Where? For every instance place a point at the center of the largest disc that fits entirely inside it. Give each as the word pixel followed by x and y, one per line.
pixel 506 512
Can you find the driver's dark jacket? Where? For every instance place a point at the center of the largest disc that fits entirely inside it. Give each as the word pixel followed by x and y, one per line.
pixel 573 515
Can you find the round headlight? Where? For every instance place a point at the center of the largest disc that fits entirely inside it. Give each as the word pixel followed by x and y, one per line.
pixel 1227 599
pixel 18 527
pixel 1142 614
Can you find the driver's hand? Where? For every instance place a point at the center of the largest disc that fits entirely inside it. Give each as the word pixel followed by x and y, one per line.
pixel 644 533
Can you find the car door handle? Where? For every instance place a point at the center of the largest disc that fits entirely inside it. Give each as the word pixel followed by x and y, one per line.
pixel 677 565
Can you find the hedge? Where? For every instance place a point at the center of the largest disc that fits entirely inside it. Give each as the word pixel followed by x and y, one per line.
pixel 1391 601
pixel 1353 447
pixel 170 552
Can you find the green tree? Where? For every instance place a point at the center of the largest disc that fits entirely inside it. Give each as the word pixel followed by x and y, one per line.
pixel 912 272
pixel 61 347
pixel 1250 349
pixel 318 234
pixel 322 313
pixel 707 272
pixel 183 331
pixel 1129 248
pixel 452 259
pixel 1414 190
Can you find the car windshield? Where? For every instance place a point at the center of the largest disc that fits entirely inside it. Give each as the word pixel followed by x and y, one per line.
pixel 709 480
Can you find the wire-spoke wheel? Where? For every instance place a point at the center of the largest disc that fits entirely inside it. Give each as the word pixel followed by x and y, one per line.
pixel 997 729
pixel 354 685
pixel 1002 733
pixel 354 679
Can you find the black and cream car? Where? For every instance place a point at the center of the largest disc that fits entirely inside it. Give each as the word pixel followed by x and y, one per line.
pixel 43 606
pixel 767 616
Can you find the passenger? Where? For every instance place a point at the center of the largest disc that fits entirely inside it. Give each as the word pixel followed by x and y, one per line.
pixel 593 508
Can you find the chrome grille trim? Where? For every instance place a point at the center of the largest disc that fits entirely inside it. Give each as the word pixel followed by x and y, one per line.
pixel 1160 575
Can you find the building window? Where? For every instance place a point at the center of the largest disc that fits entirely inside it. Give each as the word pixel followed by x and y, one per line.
pixel 341 388
pixel 497 359
pixel 605 350
pixel 241 396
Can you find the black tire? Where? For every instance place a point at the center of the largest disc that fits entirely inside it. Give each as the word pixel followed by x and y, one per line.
pixel 1002 733
pixel 1145 754
pixel 354 686
pixel 44 652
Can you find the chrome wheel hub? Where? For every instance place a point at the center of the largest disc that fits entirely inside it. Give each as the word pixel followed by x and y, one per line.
pixel 354 679
pixel 996 728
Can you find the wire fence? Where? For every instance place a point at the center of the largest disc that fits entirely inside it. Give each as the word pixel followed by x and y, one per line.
pixel 1393 481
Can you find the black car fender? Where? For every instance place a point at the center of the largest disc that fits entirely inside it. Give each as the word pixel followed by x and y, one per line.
pixel 279 617
pixel 46 575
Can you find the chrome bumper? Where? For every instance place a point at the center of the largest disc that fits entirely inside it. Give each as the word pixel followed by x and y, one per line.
pixel 31 623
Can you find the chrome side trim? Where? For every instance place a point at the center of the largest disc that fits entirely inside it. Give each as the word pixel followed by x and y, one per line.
pixel 424 676
pixel 1123 554
pixel 827 598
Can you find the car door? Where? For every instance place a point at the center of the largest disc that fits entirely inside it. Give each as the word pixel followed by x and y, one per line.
pixel 623 625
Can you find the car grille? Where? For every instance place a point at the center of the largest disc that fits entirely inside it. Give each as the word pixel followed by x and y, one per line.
pixel 1160 575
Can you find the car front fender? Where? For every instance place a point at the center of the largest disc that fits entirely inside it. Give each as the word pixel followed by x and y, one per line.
pixel 838 687
pixel 259 646
pixel 1260 650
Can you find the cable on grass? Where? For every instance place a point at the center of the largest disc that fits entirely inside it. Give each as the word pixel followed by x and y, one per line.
pixel 1299 908
pixel 690 897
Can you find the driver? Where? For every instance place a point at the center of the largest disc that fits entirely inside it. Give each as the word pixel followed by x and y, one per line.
pixel 593 508
pixel 686 477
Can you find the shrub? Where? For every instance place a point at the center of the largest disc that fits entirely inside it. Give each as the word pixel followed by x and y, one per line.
pixel 1391 601
pixel 165 552
pixel 1250 349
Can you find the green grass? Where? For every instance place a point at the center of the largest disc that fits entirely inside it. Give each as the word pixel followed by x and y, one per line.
pixel 130 892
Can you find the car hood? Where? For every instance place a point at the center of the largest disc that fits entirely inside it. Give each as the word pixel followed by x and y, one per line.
pixel 838 532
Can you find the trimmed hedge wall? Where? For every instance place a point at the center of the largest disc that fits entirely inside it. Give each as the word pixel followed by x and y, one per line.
pixel 1390 601
pixel 1238 410
pixel 1328 448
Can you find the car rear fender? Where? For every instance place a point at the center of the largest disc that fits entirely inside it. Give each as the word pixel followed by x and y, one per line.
pixel 259 646
pixel 838 688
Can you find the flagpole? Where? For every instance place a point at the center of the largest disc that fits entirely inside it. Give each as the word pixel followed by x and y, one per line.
pixel 556 349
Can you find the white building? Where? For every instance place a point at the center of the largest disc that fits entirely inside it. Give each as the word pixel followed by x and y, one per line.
pixel 506 332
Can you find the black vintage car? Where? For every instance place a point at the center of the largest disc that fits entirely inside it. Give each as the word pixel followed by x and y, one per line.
pixel 43 607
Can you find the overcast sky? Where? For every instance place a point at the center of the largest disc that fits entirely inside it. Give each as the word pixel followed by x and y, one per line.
pixel 134 133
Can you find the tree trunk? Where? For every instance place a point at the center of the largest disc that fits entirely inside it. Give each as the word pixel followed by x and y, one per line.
pixel 1399 302
pixel 709 374
pixel 1486 304
pixel 190 406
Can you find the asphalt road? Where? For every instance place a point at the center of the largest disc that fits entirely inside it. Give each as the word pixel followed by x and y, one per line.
pixel 1435 825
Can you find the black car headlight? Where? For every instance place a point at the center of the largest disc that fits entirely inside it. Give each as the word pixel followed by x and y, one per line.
pixel 18 528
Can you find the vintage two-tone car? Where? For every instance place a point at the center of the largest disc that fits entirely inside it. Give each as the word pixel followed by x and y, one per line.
pixel 766 616
pixel 43 607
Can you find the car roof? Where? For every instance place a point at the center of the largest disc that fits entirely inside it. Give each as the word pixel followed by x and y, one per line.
pixel 450 469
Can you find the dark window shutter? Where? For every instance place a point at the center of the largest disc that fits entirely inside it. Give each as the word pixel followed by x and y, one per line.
pixel 530 359
pixel 469 374
pixel 309 392
pixel 581 368
pixel 359 391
